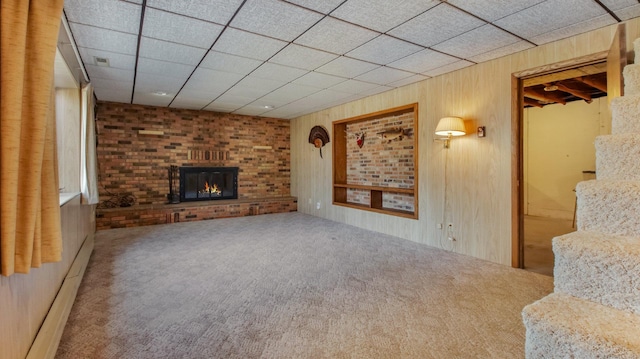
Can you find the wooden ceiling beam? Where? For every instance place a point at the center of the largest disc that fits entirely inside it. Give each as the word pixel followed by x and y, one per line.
pixel 530 102
pixel 596 83
pixel 546 97
pixel 577 93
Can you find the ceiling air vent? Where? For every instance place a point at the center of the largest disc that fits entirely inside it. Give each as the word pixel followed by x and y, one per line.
pixel 101 61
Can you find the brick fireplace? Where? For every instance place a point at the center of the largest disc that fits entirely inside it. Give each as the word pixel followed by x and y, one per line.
pixel 137 144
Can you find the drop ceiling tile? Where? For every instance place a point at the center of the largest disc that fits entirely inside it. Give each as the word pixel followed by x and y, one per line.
pixel 109 73
pixel 346 67
pixel 438 24
pixel 230 63
pixel 254 87
pixel 103 39
pixel 448 68
pixel 288 93
pixel 477 41
pixel 491 10
pixel 319 80
pixel 383 50
pixel 285 112
pixel 408 80
pixel 191 100
pixel 266 17
pixel 628 12
pixel 502 51
pixel 230 101
pixel 171 52
pixel 117 61
pixel 218 11
pixel 222 107
pixel 107 14
pixel 548 16
pixel 149 83
pixel 302 57
pixel 325 97
pixel 325 6
pixel 383 75
pixel 164 68
pixel 242 43
pixel 148 99
pixel 250 111
pixel 335 36
pixel 353 86
pixel 104 94
pixel 124 86
pixel 278 72
pixel 180 29
pixel 381 15
pixel 211 81
pixel 574 29
pixel 423 61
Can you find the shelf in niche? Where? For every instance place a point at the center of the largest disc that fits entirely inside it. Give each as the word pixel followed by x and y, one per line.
pixel 340 185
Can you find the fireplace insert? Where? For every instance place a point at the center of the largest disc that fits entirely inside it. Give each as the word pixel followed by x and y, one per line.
pixel 208 183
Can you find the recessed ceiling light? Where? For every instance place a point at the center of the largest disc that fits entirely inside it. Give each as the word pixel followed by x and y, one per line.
pixel 160 93
pixel 268 107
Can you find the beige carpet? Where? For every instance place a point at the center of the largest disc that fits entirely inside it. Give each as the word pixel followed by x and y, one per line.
pixel 292 286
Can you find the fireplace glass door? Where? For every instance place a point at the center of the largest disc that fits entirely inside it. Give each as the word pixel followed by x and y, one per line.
pixel 208 183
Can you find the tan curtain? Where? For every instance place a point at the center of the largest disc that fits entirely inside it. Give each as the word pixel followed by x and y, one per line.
pixel 88 157
pixel 29 202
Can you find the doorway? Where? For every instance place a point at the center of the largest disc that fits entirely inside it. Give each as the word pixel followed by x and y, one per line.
pixel 554 86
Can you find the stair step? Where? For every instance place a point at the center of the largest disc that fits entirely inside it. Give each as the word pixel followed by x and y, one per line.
pixel 625 114
pixel 599 267
pixel 631 75
pixel 609 206
pixel 562 326
pixel 617 157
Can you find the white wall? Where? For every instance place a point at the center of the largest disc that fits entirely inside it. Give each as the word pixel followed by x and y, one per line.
pixel 558 146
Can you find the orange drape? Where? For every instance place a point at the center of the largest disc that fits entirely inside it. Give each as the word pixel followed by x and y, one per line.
pixel 29 202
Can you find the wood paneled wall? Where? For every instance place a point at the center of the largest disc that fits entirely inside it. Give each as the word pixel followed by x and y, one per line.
pixel 478 176
pixel 68 125
pixel 25 298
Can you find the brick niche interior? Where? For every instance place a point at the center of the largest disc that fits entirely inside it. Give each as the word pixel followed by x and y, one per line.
pixel 132 160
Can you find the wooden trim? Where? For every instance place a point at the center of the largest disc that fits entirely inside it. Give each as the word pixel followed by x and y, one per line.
pixel 375 188
pixel 339 168
pixel 562 65
pixel 517 192
pixel 47 340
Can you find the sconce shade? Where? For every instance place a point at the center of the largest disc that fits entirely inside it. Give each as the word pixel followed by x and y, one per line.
pixel 453 126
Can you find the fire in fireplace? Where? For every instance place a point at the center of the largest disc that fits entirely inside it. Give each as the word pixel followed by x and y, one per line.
pixel 208 183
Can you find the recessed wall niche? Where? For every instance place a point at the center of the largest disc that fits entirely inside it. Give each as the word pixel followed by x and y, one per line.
pixel 382 175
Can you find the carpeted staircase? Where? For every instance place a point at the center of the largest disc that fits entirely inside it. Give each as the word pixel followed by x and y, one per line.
pixel 594 311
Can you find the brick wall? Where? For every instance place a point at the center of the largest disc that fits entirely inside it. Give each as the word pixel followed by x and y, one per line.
pixel 380 162
pixel 137 164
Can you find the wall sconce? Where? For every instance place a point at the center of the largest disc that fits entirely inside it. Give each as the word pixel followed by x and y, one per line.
pixel 450 126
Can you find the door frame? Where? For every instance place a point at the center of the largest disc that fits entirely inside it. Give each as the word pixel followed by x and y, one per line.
pixel 517 157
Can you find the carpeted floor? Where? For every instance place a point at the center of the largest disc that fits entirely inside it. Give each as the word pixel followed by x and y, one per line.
pixel 292 286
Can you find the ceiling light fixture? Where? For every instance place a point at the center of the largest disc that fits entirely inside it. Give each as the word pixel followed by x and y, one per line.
pixel 160 93
pixel 268 107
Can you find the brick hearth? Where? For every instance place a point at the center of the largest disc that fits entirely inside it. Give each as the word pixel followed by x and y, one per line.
pixel 137 144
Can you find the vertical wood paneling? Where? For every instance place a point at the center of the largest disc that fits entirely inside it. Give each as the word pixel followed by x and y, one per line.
pixel 479 170
pixel 25 298
pixel 68 132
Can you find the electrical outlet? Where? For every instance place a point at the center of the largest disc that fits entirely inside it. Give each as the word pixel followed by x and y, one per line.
pixel 439 226
pixel 318 205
